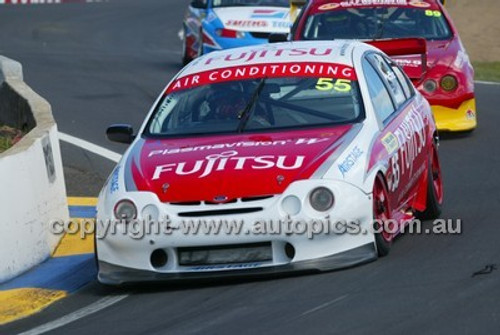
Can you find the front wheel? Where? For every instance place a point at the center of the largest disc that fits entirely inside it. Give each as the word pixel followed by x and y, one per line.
pixel 435 191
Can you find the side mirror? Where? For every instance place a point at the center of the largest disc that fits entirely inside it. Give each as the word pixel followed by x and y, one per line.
pixel 277 37
pixel 121 133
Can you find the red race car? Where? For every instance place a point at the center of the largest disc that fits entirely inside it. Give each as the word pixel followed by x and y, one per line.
pixel 443 73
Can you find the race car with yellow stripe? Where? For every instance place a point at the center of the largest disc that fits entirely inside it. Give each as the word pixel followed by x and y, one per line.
pixel 443 73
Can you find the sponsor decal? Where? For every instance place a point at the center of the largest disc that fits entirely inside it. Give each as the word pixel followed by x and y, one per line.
pixel 371 3
pixel 462 58
pixel 229 160
pixel 247 23
pixel 49 159
pixel 266 54
pixel 113 184
pixel 411 136
pixel 350 161
pixel 276 70
pixel 242 144
pixel 329 6
pixel 390 142
pixel 225 266
pixel 470 115
pixel 209 41
pixel 268 14
pixel 211 17
pixel 42 2
pixel 31 2
pixel 414 63
pixel 282 24
pixel 420 4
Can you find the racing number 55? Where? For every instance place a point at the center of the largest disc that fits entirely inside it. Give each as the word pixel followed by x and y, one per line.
pixel 328 84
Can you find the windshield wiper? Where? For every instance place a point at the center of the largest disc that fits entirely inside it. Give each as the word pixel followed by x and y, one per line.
pixel 245 114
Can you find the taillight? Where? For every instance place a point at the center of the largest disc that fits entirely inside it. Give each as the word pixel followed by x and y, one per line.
pixel 449 83
pixel 229 33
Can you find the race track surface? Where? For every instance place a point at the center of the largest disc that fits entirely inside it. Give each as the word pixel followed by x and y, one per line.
pixel 103 63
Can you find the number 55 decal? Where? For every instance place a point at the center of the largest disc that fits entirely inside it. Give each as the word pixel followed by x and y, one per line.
pixel 328 84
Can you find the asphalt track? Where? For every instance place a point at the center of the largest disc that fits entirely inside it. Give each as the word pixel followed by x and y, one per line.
pixel 105 63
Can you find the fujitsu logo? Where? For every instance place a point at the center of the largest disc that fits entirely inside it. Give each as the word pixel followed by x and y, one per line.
pixel 229 160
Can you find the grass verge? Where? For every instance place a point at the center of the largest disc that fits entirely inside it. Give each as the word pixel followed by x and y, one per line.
pixel 487 71
pixel 8 137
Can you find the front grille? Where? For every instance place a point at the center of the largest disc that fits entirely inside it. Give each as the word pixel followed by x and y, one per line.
pixel 260 35
pixel 230 201
pixel 263 197
pixel 225 254
pixel 186 203
pixel 217 212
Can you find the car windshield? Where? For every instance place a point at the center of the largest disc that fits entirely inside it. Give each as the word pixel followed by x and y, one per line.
pixel 377 23
pixel 262 104
pixel 234 3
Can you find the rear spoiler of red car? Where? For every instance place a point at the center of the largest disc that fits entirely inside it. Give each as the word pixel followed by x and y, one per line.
pixel 396 48
pixel 295 7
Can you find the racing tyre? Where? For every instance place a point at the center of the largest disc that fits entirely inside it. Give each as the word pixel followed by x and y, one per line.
pixel 382 216
pixel 434 189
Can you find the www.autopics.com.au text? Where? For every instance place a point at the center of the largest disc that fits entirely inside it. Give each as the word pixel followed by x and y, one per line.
pixel 138 229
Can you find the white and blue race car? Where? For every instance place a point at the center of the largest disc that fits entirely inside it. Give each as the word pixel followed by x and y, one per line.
pixel 222 24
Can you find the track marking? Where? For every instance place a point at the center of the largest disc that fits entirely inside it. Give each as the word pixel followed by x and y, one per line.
pixel 22 302
pixel 82 201
pixel 326 304
pixel 103 152
pixel 79 314
pixel 486 82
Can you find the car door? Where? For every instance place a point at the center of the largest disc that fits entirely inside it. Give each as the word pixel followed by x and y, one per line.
pixel 403 132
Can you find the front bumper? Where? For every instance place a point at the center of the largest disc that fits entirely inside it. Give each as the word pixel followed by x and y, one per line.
pixel 122 256
pixel 461 119
pixel 110 274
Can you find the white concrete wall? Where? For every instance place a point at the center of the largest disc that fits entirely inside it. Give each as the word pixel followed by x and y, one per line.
pixel 32 188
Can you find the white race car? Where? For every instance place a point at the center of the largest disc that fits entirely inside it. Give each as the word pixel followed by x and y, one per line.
pixel 275 158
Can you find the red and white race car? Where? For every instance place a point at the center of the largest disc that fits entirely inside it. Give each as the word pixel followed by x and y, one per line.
pixel 276 158
pixel 444 75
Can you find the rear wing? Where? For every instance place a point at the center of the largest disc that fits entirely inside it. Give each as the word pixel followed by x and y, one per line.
pixel 295 7
pixel 409 53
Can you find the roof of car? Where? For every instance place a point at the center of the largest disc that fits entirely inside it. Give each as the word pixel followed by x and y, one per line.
pixel 332 52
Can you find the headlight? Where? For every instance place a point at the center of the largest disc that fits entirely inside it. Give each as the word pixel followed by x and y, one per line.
pixel 321 199
pixel 449 83
pixel 125 210
pixel 430 86
pixel 151 213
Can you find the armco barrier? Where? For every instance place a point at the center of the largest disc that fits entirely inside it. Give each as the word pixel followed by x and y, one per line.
pixel 32 189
